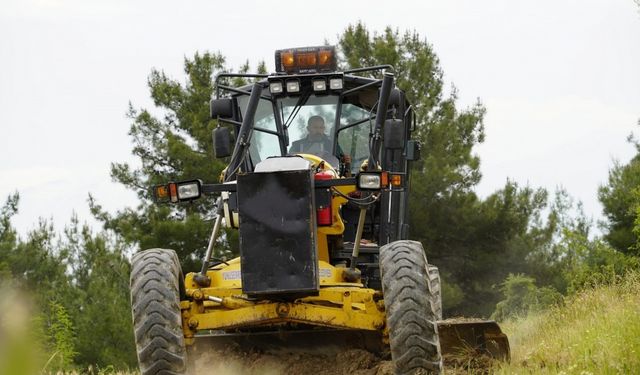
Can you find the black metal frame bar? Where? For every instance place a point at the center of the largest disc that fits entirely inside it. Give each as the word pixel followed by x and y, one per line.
pixel 361 87
pixel 370 68
pixel 356 123
pixel 235 75
pixel 229 121
pixel 320 184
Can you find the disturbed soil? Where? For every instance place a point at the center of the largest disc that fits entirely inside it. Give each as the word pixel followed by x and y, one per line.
pixel 232 361
pixel 317 356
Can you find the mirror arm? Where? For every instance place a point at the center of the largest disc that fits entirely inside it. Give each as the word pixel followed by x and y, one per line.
pixel 244 135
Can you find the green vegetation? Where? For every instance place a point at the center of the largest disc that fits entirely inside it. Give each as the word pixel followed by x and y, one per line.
pixel 72 303
pixel 596 331
pixel 620 200
pixel 521 251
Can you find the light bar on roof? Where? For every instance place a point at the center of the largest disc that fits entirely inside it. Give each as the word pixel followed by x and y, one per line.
pixel 306 60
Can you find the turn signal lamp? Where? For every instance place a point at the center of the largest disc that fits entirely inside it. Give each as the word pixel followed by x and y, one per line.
pixel 306 60
pixel 161 193
pixel 384 179
pixel 396 180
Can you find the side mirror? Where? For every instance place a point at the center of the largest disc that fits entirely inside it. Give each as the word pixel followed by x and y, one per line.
pixel 221 108
pixel 413 150
pixel 394 132
pixel 222 145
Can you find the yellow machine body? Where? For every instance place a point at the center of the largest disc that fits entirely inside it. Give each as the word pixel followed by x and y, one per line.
pixel 339 304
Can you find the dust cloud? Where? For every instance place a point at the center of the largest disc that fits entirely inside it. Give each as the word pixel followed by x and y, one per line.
pixel 232 361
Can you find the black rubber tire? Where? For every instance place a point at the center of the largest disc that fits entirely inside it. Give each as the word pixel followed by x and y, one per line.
pixel 436 290
pixel 410 310
pixel 155 305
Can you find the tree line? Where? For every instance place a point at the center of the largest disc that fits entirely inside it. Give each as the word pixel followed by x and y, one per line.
pixel 518 249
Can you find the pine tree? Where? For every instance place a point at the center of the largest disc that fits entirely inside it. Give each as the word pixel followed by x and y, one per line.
pixel 475 243
pixel 172 144
pixel 619 198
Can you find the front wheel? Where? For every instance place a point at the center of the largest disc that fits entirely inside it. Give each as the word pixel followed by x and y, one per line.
pixel 155 305
pixel 410 309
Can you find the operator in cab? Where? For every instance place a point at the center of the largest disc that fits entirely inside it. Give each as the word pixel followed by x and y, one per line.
pixel 317 142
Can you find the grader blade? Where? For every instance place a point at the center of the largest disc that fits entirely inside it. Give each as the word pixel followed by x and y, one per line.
pixel 472 338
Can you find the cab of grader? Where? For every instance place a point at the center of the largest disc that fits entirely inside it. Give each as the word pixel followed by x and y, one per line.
pixel 323 228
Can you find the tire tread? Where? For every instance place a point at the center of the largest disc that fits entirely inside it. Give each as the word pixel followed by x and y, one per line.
pixel 409 305
pixel 155 306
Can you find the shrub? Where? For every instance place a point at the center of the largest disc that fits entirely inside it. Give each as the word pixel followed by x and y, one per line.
pixel 523 296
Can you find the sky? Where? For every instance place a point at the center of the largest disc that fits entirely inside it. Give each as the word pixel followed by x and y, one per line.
pixel 560 81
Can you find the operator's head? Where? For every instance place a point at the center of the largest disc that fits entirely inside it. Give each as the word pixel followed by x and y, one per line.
pixel 315 126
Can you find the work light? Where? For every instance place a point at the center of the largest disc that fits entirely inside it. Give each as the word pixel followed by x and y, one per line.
pixel 189 190
pixel 335 84
pixel 275 87
pixel 293 85
pixel 370 181
pixel 319 85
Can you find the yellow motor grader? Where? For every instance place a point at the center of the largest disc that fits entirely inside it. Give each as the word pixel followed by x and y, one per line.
pixel 318 187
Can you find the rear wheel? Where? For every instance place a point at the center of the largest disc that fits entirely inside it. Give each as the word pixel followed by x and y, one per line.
pixel 155 304
pixel 436 290
pixel 410 308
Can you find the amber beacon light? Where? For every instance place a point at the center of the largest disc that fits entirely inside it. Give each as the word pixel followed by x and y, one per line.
pixel 306 60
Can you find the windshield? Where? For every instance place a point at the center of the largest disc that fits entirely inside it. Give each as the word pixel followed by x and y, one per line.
pixel 310 123
pixel 354 135
pixel 309 120
pixel 264 141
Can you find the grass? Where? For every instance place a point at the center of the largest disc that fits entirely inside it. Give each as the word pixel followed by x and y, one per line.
pixel 595 332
